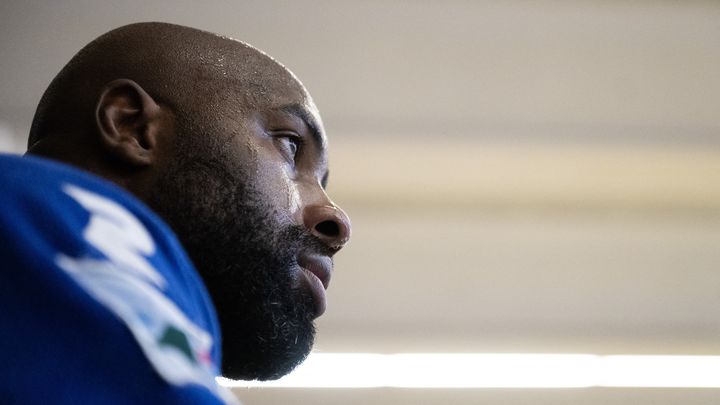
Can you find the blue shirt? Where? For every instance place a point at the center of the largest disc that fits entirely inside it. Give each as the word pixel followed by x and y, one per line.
pixel 98 301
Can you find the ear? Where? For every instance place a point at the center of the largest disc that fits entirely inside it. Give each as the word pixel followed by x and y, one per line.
pixel 128 122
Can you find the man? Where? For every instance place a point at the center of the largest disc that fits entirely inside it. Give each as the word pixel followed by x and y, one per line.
pixel 227 147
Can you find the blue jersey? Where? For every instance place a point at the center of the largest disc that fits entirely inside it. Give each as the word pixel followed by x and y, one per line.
pixel 99 303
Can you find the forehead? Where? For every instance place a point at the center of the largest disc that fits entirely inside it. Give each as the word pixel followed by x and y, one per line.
pixel 263 84
pixel 260 80
pixel 241 81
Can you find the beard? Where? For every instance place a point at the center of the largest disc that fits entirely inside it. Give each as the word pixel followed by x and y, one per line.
pixel 246 255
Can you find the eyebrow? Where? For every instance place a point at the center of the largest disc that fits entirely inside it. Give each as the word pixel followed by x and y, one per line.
pixel 301 112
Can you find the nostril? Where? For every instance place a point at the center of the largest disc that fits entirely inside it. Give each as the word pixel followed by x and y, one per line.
pixel 328 228
pixel 327 223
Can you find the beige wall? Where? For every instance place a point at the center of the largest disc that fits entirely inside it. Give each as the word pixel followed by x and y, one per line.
pixel 522 175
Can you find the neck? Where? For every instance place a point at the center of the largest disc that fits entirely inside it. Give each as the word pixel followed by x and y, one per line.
pixel 91 158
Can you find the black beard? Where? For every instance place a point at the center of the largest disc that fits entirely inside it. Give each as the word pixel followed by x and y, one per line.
pixel 247 258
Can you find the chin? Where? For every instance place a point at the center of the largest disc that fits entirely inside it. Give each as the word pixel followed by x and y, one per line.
pixel 269 359
pixel 264 335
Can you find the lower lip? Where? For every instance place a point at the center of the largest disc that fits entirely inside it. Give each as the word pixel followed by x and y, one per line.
pixel 318 291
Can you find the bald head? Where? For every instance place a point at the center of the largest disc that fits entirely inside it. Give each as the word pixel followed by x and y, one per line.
pixel 185 69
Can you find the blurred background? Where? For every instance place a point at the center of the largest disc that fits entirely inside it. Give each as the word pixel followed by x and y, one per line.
pixel 538 176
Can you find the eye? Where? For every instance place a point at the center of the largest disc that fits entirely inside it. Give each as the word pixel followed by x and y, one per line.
pixel 289 144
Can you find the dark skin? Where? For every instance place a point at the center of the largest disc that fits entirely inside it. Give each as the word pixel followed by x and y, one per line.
pixel 228 147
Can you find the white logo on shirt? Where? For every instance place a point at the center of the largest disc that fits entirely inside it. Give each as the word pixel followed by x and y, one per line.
pixel 127 284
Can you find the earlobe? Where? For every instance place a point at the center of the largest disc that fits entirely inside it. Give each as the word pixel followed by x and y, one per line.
pixel 128 122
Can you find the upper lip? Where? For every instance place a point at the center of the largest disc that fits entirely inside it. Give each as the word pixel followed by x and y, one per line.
pixel 320 266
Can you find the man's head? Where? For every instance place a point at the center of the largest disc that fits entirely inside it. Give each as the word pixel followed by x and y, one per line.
pixel 227 146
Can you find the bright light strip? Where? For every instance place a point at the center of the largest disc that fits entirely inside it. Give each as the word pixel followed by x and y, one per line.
pixel 478 370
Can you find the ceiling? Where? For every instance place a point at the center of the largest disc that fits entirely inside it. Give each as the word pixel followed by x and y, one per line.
pixel 522 176
pixel 629 71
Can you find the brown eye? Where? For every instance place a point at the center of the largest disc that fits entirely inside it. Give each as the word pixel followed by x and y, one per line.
pixel 290 145
pixel 293 145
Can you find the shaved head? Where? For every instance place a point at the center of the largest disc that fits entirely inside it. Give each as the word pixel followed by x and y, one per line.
pixel 185 69
pixel 226 145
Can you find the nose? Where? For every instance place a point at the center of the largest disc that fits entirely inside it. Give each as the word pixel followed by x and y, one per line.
pixel 328 223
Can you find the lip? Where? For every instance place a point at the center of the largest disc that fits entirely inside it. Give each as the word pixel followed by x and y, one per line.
pixel 317 271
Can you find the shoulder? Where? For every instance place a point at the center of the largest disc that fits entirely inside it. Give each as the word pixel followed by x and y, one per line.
pixel 48 208
pixel 80 249
pixel 79 214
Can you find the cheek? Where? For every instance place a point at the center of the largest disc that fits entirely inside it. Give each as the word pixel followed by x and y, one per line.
pixel 282 191
pixel 294 201
pixel 274 180
pixel 291 196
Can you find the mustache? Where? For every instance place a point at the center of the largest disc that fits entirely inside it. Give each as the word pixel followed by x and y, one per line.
pixel 306 242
